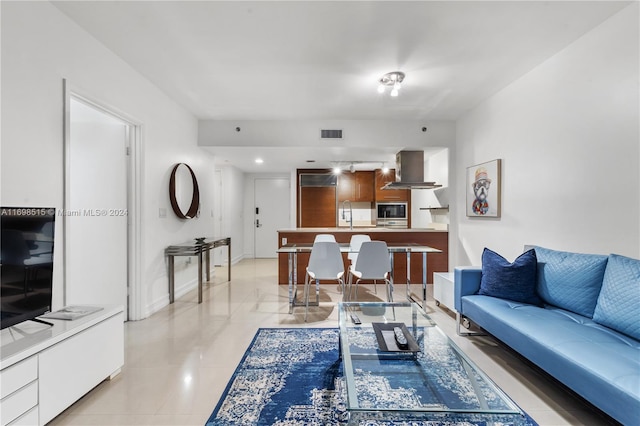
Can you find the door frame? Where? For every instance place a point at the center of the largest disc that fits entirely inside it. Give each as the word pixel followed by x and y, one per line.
pixel 134 310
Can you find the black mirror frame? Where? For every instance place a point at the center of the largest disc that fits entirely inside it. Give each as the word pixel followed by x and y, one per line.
pixel 195 198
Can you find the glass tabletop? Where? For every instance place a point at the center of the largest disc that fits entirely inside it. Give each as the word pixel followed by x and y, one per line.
pixel 429 378
pixel 196 245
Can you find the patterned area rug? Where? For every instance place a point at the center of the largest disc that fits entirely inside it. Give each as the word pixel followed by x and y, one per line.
pixel 292 376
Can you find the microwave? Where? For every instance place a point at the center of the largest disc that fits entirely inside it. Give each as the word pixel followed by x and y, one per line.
pixel 392 215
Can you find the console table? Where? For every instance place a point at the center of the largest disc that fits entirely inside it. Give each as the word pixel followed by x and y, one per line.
pixel 200 247
pixel 44 369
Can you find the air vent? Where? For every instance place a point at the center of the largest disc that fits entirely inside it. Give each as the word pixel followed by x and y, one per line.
pixel 308 179
pixel 330 134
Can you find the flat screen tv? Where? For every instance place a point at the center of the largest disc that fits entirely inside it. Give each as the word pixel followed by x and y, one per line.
pixel 26 262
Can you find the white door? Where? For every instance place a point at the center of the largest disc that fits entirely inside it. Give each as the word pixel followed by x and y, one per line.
pixel 96 211
pixel 271 213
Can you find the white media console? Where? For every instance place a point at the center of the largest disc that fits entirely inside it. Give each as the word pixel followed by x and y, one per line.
pixel 44 369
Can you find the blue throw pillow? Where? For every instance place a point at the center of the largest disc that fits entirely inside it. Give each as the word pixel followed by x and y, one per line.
pixel 512 281
pixel 570 281
pixel 619 301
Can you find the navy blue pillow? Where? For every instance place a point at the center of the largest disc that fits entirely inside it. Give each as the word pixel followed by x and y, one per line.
pixel 512 281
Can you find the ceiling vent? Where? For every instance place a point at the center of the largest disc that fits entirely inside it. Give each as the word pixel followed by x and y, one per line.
pixel 330 134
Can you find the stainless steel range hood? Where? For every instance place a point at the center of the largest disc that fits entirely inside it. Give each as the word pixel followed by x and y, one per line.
pixel 410 172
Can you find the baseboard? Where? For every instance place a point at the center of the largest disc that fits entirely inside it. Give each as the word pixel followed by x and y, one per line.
pixel 163 301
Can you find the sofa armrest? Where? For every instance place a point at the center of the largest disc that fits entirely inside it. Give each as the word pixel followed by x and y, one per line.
pixel 466 281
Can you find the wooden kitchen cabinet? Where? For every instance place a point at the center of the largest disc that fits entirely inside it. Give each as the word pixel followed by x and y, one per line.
pixel 356 187
pixel 318 207
pixel 382 195
pixel 346 185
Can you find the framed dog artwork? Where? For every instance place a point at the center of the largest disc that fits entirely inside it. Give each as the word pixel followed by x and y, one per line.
pixel 483 189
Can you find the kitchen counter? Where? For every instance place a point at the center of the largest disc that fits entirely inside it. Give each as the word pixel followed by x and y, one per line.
pixel 437 262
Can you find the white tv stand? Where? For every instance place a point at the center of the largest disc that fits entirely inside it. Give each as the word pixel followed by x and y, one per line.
pixel 43 369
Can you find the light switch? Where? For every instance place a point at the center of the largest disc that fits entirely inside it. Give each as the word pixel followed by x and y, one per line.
pixel 162 212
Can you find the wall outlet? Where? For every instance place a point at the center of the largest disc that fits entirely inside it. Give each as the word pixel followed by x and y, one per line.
pixel 284 241
pixel 162 212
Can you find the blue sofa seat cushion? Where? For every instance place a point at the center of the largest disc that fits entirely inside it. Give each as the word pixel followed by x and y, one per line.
pixel 618 305
pixel 513 281
pixel 598 363
pixel 570 281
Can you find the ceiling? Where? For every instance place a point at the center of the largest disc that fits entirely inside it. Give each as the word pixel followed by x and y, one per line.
pixel 302 60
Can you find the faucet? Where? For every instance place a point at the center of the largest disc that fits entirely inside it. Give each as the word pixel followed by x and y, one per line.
pixel 350 213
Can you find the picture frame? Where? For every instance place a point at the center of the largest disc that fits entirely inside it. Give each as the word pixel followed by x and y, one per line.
pixel 484 188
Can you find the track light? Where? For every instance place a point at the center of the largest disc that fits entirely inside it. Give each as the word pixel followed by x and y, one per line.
pixel 391 79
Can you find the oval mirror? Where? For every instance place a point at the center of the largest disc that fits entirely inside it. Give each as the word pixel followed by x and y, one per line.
pixel 183 191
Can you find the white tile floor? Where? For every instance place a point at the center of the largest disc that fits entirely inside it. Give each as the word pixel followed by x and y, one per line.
pixel 178 361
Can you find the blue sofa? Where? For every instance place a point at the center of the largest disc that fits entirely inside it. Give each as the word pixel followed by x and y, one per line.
pixel 585 331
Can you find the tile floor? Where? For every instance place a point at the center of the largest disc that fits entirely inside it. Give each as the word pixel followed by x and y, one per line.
pixel 178 361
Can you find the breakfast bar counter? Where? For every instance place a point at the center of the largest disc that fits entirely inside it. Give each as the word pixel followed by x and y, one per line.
pixel 437 262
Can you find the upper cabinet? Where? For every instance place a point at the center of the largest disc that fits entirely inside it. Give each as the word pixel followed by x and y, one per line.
pixel 381 195
pixel 356 187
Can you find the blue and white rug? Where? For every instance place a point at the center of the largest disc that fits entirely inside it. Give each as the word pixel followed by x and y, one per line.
pixel 292 376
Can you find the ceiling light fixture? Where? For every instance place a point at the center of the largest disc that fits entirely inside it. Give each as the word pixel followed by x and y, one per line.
pixel 391 79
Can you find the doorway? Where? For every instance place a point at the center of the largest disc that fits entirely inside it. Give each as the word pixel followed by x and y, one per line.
pixel 97 208
pixel 271 213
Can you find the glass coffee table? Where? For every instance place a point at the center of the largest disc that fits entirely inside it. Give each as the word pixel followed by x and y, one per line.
pixel 429 378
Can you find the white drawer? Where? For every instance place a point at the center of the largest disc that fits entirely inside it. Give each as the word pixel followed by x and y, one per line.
pixel 18 375
pixel 18 403
pixel 28 419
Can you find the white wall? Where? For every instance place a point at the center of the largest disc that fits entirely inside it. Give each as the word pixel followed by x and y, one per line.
pixel 40 48
pixel 567 133
pixel 304 133
pixel 436 170
pixel 233 210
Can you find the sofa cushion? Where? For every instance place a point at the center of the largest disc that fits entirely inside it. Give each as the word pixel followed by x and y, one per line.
pixel 600 364
pixel 619 302
pixel 512 281
pixel 570 281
